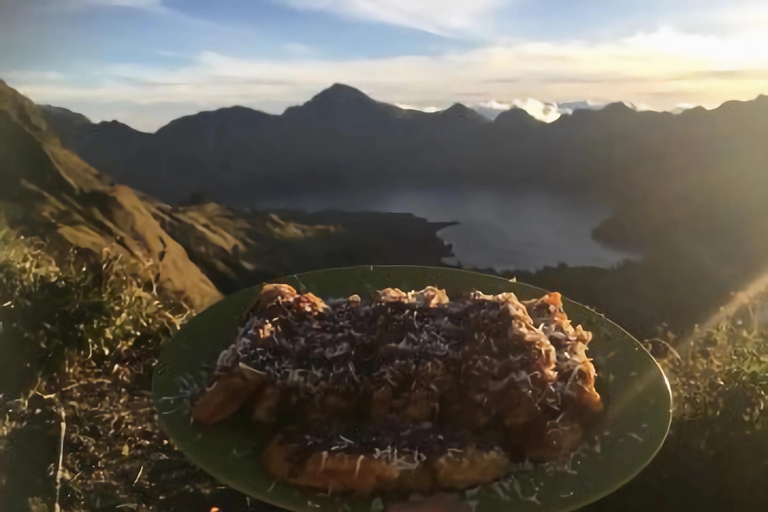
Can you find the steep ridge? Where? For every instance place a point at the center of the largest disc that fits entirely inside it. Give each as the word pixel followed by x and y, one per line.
pixel 339 138
pixel 48 191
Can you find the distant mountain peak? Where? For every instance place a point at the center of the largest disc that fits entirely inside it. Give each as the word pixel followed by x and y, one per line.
pixel 458 108
pixel 462 111
pixel 516 117
pixel 340 92
pixel 345 108
pixel 619 106
pixel 74 118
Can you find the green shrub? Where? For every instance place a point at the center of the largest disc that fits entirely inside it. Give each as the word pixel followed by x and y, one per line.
pixel 714 458
pixel 720 373
pixel 57 310
pixel 80 336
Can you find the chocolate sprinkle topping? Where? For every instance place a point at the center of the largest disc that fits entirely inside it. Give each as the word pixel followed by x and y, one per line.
pixel 416 373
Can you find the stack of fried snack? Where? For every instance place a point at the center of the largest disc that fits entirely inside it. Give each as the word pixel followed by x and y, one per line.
pixel 408 391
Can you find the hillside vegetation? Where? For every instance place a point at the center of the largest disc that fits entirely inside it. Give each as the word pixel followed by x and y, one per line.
pixel 88 332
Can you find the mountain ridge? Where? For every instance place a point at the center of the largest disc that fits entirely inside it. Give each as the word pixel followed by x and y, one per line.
pixel 338 92
pixel 190 253
pixel 49 192
pixel 662 173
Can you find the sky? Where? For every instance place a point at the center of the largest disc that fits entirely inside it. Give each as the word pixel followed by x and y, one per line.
pixel 146 62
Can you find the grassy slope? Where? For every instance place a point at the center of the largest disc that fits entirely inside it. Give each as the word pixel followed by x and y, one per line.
pixel 48 191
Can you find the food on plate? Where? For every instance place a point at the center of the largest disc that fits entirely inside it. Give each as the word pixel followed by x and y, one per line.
pixel 407 391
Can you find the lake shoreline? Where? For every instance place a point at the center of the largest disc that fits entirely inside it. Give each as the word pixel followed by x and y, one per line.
pixel 523 229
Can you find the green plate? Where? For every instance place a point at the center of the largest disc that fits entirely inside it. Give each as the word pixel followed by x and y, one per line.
pixel 632 384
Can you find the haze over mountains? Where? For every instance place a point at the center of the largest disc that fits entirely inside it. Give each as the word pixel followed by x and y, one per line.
pixel 654 168
pixel 687 190
pixel 541 110
pixel 687 187
pixel 190 253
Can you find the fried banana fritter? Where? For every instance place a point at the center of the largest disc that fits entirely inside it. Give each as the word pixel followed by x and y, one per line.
pixel 395 455
pixel 430 393
pixel 328 470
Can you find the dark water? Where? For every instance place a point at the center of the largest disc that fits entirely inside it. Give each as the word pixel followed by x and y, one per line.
pixel 501 229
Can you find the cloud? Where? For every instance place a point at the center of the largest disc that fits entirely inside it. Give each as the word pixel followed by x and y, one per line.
pixel 298 49
pixel 135 4
pixel 749 17
pixel 429 108
pixel 725 74
pixel 172 54
pixel 20 16
pixel 682 107
pixel 36 76
pixel 540 110
pixel 543 111
pixel 443 17
pixel 644 69
pixel 495 105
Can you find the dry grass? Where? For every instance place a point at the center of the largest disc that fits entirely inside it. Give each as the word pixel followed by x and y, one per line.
pixel 89 333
